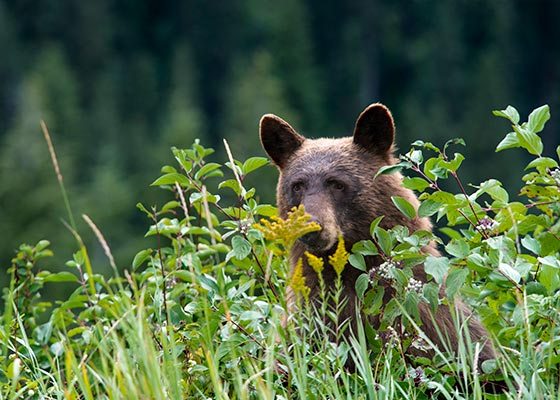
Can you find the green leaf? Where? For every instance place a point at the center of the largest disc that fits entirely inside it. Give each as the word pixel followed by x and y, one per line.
pixel 531 244
pixel 530 141
pixel 494 189
pixel 429 166
pixel 418 184
pixel 549 276
pixel 450 142
pixel 391 169
pixel 549 243
pixel 524 265
pixel 365 247
pixel 233 184
pixel 416 156
pixel 509 272
pixel 538 118
pixel 509 113
pixel 245 286
pixel 410 305
pixel 427 145
pixel 458 248
pixel 14 369
pixel 509 142
pixel 170 179
pixel 140 258
pixel 170 205
pixel 357 261
pixel 392 310
pixel 209 283
pixel 249 193
pixel 428 208
pixel 63 276
pixel 550 261
pixel 443 197
pixel 384 240
pixel 236 165
pixel 199 197
pixel 253 163
pixel 455 280
pixel 533 191
pixel 454 164
pixel 241 247
pixel 374 224
pixel 266 210
pixel 373 301
pixel 250 316
pixel 400 276
pixel 57 348
pixel 404 206
pixel 167 169
pixel 505 248
pixel 41 245
pixel 208 170
pixel 437 267
pixel 452 233
pixel 535 288
pixel 489 366
pixel 431 293
pixel 362 284
pixel 182 275
pixel 180 157
pixel 195 230
pixel 542 163
pixel 76 331
pixel 141 207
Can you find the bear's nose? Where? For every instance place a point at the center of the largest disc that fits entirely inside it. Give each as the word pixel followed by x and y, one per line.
pixel 311 239
pixel 314 240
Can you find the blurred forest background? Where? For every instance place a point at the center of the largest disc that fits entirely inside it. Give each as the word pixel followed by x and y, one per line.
pixel 118 82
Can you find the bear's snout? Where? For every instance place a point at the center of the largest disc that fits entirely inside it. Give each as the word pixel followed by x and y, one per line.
pixel 323 240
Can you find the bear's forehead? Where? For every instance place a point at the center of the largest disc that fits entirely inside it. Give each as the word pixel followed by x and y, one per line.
pixel 322 156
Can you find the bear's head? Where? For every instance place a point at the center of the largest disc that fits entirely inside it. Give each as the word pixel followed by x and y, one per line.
pixel 334 178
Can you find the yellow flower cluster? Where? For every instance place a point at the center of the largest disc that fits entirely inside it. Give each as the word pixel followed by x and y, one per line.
pixel 340 257
pixel 316 262
pixel 297 281
pixel 287 231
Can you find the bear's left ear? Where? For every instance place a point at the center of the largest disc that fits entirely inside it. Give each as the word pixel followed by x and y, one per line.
pixel 375 129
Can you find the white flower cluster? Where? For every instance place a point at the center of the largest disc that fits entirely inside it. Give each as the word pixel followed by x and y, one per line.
pixel 420 344
pixel 385 269
pixel 418 376
pixel 487 225
pixel 387 336
pixel 555 173
pixel 244 225
pixel 414 286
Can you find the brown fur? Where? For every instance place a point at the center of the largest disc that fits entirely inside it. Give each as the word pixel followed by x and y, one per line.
pixel 334 180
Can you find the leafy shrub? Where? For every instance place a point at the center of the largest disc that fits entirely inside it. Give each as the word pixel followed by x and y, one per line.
pixel 202 315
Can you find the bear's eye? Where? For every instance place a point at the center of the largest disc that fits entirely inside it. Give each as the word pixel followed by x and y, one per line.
pixel 336 185
pixel 297 187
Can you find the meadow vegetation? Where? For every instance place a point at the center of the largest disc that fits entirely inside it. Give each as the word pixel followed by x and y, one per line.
pixel 202 314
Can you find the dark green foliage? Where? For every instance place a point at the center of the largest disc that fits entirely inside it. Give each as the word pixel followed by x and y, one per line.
pixel 503 252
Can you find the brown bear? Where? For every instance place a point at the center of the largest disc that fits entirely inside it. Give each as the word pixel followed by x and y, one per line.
pixel 334 180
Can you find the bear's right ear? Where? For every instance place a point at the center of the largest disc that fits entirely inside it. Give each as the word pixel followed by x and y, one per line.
pixel 279 139
pixel 375 129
